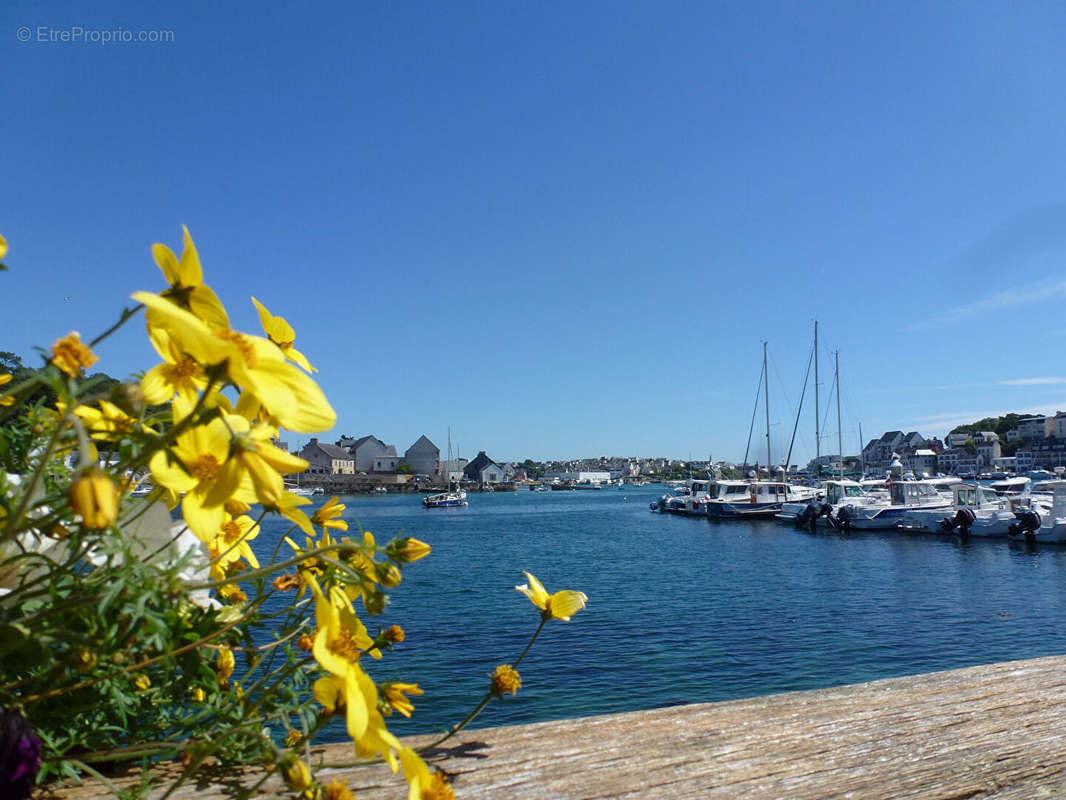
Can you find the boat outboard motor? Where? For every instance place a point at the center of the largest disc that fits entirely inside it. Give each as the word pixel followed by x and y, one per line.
pixel 1027 525
pixel 806 518
pixel 843 520
pixel 963 521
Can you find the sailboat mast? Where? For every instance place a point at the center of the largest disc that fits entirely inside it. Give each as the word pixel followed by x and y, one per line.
pixel 840 433
pixel 766 388
pixel 817 403
pixel 862 451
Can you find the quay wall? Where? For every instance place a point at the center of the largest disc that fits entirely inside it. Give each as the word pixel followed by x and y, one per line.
pixel 993 731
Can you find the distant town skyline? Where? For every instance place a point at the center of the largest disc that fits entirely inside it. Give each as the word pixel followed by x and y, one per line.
pixel 561 229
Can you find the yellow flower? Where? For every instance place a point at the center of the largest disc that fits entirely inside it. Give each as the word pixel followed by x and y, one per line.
pixel 224 664
pixel 253 363
pixel 286 505
pixel 255 465
pixel 5 400
pixel 395 699
pixel 141 682
pixel 409 549
pixel 328 516
pixel 281 333
pixel 85 660
pixel 335 790
pixel 232 540
pixel 561 605
pixel 3 248
pixel 107 423
pixel 393 634
pixel 70 355
pixel 293 738
pixel 186 279
pixel 365 724
pixel 194 466
pixel 178 374
pixel 305 643
pixel 197 695
pixel 296 775
pixel 423 785
pixel 341 638
pixel 94 497
pixel 506 679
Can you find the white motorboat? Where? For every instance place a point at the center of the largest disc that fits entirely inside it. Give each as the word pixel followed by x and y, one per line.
pixel 903 496
pixel 756 498
pixel 821 511
pixel 975 510
pixel 1041 523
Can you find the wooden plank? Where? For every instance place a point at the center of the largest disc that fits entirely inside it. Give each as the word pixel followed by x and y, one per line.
pixel 993 731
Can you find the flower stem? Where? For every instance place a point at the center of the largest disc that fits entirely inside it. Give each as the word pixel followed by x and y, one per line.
pixel 488 695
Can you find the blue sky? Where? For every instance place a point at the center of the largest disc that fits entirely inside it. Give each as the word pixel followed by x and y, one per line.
pixel 564 230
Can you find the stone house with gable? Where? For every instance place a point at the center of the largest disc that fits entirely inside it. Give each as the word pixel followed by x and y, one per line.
pixel 327 459
pixel 371 454
pixel 483 469
pixel 424 457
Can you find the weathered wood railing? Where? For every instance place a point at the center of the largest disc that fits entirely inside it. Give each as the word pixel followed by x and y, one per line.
pixel 996 731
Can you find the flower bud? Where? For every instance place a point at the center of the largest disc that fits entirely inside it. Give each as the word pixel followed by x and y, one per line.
pixel 296 774
pixel 94 497
pixel 411 549
pixel 128 397
pixel 389 575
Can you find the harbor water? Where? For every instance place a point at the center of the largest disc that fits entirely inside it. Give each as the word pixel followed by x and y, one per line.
pixel 684 609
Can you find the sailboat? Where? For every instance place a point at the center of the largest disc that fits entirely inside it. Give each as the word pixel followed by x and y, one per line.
pixel 454 496
pixel 757 498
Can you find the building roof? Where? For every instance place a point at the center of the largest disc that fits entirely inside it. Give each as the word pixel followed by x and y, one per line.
pixel 333 451
pixel 480 462
pixel 423 445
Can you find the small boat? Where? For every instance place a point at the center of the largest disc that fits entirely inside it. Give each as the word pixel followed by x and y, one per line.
pixel 975 510
pixel 904 496
pixel 380 490
pixel 300 491
pixel 1041 523
pixel 445 499
pixel 756 498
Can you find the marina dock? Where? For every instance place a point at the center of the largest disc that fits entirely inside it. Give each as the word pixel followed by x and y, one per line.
pixel 994 731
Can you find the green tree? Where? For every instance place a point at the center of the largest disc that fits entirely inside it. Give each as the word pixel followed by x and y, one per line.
pixel 403 468
pixel 534 471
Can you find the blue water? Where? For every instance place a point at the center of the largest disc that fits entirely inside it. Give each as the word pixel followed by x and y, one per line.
pixel 686 610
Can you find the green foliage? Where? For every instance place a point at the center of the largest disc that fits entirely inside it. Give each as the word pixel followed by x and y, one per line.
pixel 1000 425
pixel 534 471
pixel 403 468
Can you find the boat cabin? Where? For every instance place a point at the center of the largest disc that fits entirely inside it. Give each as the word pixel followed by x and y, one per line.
pixel 837 492
pixel 973 495
pixel 913 493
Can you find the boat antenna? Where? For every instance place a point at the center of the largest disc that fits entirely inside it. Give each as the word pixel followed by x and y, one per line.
pixel 751 428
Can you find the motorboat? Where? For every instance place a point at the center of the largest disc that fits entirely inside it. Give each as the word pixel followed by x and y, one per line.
pixel 903 496
pixel 756 498
pixel 975 510
pixel 821 511
pixel 1040 523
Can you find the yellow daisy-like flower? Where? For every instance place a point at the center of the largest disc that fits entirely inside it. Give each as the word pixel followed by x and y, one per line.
pixel 178 374
pixel 281 333
pixel 106 423
pixel 186 279
pixel 3 248
pixel 254 465
pixel 341 638
pixel 194 466
pixel 253 363
pixel 6 399
pixel 141 682
pixel 506 680
pixel 395 697
pixel 561 605
pixel 422 784
pixel 70 355
pixel 232 540
pixel 328 515
pixel 335 790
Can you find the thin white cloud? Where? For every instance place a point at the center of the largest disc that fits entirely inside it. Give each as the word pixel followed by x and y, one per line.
pixel 1008 298
pixel 946 422
pixel 986 385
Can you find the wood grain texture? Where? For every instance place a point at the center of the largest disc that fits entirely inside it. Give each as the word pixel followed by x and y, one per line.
pixel 996 731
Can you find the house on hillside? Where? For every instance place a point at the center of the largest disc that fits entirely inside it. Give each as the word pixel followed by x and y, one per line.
pixel 483 469
pixel 327 459
pixel 424 457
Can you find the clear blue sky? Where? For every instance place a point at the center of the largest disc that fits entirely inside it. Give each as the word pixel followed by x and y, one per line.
pixel 563 229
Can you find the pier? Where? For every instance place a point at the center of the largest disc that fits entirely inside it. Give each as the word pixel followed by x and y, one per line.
pixel 994 731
